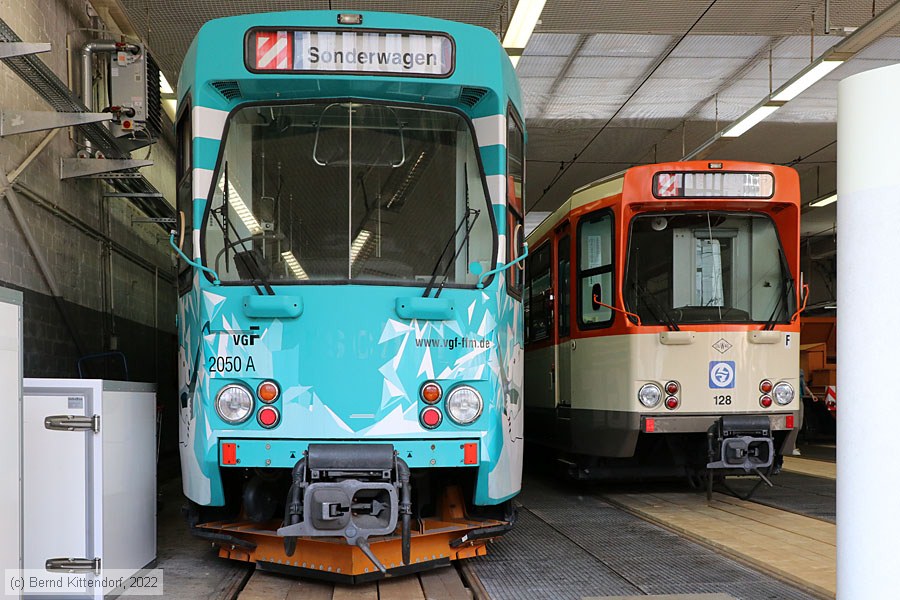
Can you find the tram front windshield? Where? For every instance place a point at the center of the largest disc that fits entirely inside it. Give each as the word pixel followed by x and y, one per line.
pixel 348 192
pixel 707 267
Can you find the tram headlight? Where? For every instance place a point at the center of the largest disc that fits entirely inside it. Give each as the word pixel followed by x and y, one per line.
pixel 464 404
pixel 783 393
pixel 649 395
pixel 234 403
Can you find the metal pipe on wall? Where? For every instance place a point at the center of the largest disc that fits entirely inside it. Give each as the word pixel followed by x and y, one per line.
pixel 868 210
pixel 87 69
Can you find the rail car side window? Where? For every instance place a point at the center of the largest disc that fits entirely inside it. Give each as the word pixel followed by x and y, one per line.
pixel 595 269
pixel 563 255
pixel 515 212
pixel 184 195
pixel 538 295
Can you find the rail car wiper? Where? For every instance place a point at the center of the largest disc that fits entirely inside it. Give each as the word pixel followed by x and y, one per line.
pixel 667 319
pixel 255 270
pixel 788 283
pixel 474 213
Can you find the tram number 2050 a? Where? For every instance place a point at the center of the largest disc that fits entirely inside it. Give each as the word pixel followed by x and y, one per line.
pixel 230 364
pixel 722 400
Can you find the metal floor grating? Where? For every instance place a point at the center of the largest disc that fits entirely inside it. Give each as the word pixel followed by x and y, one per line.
pixel 571 545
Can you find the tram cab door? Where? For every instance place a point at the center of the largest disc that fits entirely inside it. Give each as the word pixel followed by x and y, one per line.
pixel 563 345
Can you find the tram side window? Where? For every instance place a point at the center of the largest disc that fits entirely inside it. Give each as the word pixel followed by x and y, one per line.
pixel 515 184
pixel 538 295
pixel 184 195
pixel 562 286
pixel 595 269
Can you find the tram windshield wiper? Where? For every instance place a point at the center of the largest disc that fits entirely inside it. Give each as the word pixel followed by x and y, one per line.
pixel 653 305
pixel 252 265
pixel 470 223
pixel 787 284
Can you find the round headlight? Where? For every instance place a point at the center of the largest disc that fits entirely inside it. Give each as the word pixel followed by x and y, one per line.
pixel 783 393
pixel 234 403
pixel 649 395
pixel 464 404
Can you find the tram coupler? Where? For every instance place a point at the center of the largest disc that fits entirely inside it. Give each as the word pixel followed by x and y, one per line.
pixel 740 442
pixel 350 490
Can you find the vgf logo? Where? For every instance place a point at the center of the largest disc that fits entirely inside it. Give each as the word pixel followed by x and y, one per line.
pixel 245 338
pixel 721 374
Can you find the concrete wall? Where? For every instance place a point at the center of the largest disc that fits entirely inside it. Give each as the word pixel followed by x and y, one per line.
pixel 114 275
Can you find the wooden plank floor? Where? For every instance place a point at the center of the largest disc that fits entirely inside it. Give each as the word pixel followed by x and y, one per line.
pixel 748 532
pixel 806 466
pixel 438 584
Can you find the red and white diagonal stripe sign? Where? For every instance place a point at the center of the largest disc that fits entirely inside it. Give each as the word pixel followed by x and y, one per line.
pixel 273 50
pixel 666 185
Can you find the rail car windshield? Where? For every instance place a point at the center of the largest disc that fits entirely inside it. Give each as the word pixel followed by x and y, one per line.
pixel 707 267
pixel 341 191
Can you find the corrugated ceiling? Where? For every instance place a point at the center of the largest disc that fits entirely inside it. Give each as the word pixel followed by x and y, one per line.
pixel 643 79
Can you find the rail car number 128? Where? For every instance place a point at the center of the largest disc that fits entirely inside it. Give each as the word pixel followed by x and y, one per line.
pixel 722 400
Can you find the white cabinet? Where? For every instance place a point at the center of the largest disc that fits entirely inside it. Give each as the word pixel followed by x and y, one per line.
pixel 89 477
pixel 10 428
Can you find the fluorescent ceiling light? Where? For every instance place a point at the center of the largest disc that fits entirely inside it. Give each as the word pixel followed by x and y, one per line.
pixel 358 244
pixel 807 79
pixel 166 90
pixel 241 209
pixel 294 265
pixel 743 124
pixel 824 201
pixel 515 60
pixel 522 23
pixel 164 86
pixel 170 105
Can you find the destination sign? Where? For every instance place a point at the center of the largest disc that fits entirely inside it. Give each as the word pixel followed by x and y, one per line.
pixel 351 51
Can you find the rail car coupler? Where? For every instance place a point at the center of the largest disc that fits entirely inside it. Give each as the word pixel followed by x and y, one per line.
pixel 350 490
pixel 740 442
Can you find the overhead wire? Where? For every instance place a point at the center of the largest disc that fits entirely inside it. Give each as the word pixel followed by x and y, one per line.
pixel 564 169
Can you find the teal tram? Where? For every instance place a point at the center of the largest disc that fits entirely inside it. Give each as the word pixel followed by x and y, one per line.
pixel 350 195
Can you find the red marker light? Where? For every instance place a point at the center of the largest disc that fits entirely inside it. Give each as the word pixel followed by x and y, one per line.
pixel 671 402
pixel 765 401
pixel 431 417
pixel 229 454
pixel 789 421
pixel 649 425
pixel 672 387
pixel 470 454
pixel 765 386
pixel 267 417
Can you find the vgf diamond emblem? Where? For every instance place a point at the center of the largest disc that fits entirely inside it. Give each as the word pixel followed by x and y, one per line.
pixel 722 346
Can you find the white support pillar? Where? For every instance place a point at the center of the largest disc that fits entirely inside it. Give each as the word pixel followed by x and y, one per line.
pixel 868 238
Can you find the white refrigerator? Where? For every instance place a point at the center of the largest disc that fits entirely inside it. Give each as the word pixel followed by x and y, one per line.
pixel 89 477
pixel 11 429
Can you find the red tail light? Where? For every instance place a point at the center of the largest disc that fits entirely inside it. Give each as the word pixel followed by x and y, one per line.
pixel 765 386
pixel 765 401
pixel 671 402
pixel 431 417
pixel 789 421
pixel 672 387
pixel 268 417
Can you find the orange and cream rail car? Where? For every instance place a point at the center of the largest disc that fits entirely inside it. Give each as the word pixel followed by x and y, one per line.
pixel 661 324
